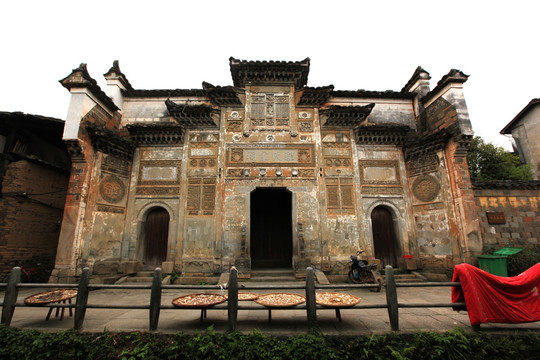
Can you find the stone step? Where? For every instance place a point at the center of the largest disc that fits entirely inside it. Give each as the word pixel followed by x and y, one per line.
pixel 141 279
pixel 273 279
pixel 144 274
pixel 272 272
pixel 406 278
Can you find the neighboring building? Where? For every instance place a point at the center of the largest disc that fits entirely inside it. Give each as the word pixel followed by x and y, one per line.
pixel 525 131
pixel 34 174
pixel 265 173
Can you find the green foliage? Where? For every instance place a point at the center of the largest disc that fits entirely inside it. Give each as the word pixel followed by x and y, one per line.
pixel 521 261
pixel 457 344
pixel 489 162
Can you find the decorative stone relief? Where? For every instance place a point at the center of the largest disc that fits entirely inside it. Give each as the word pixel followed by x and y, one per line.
pixel 382 190
pixel 426 188
pixel 235 121
pixel 305 121
pixel 110 209
pixel 112 189
pixel 425 163
pixel 271 155
pixel 157 191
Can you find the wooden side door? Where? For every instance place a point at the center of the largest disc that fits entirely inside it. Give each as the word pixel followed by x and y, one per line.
pixel 156 234
pixel 384 237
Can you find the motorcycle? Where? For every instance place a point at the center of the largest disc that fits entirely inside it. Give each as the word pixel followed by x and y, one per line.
pixel 361 272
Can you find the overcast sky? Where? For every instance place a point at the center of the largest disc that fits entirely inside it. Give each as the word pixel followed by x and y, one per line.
pixel 353 45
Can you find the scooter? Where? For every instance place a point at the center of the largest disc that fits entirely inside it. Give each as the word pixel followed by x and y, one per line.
pixel 361 272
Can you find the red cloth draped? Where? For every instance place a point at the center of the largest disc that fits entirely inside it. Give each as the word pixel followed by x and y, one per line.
pixel 497 299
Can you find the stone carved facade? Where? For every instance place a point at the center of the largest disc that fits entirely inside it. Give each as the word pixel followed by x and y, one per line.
pixel 214 159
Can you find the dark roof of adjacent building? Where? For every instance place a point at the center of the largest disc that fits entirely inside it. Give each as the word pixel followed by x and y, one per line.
pixel 506 184
pixel 509 127
pixel 40 137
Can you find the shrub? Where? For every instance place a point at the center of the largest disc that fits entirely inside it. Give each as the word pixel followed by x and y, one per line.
pixel 522 261
pixel 457 344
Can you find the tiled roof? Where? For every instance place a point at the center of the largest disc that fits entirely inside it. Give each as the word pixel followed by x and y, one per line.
pixel 80 77
pixel 315 96
pixel 453 76
pixel 165 93
pixel 366 94
pixel 192 116
pixel 419 73
pixel 222 95
pixel 346 116
pixel 257 72
pixel 115 69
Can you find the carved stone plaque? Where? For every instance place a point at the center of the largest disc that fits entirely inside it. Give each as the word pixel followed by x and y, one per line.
pixel 426 188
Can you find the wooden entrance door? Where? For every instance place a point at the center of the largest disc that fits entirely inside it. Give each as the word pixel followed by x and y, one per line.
pixel 384 237
pixel 271 228
pixel 156 234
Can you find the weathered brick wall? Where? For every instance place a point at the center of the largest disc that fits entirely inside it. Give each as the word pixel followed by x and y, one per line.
pixel 31 206
pixel 520 223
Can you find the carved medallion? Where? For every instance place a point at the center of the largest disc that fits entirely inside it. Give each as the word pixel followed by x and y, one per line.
pixel 112 189
pixel 426 188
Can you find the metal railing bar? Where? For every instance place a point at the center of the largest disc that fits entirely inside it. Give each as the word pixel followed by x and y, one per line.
pixel 47 285
pixel 413 305
pixel 112 306
pixel 428 284
pixel 119 287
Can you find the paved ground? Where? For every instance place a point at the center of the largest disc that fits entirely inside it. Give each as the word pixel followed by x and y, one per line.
pixel 284 322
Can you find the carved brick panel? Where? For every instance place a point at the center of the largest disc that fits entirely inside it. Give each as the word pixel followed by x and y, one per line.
pixel 201 196
pixel 340 196
pixel 235 120
pixel 269 111
pixel 425 163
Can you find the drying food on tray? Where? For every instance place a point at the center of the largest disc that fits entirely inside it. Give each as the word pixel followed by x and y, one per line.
pixel 198 300
pixel 244 296
pixel 280 299
pixel 51 297
pixel 336 299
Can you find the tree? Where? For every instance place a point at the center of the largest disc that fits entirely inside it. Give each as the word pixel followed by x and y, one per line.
pixel 490 162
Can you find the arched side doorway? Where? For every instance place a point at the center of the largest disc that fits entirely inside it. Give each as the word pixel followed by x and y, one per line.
pixel 156 234
pixel 271 228
pixel 384 236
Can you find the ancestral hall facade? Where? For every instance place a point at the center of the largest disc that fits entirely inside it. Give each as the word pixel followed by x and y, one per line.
pixel 268 172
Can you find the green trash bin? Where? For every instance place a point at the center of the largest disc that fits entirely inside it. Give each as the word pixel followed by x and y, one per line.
pixel 496 264
pixel 507 251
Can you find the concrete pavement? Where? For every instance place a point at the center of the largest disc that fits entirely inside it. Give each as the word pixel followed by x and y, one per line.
pixel 284 322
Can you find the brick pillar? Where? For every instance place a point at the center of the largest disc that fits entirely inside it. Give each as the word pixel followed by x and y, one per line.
pixel 469 234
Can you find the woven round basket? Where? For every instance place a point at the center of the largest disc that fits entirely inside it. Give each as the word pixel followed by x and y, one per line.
pixel 280 300
pixel 50 297
pixel 198 300
pixel 336 299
